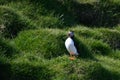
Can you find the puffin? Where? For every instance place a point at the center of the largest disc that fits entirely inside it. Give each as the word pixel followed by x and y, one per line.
pixel 69 44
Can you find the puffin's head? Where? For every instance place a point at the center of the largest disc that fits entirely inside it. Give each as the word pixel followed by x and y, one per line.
pixel 71 34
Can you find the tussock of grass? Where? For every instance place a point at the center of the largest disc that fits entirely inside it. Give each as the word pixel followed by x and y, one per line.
pixel 115 54
pixel 111 37
pixel 110 63
pixel 48 22
pixel 98 46
pixel 80 70
pixel 87 32
pixel 6 49
pixel 12 22
pixel 30 66
pixel 22 69
pixel 48 43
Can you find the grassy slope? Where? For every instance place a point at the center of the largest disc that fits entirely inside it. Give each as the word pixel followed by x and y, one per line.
pixel 33 59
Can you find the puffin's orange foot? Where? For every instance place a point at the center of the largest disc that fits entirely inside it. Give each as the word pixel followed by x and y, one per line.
pixel 72 58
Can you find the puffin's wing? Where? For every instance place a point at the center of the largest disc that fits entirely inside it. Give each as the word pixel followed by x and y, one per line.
pixel 73 48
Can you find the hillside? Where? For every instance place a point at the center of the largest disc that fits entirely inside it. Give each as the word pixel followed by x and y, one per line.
pixel 33 32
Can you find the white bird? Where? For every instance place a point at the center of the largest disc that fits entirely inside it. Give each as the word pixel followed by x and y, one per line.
pixel 69 44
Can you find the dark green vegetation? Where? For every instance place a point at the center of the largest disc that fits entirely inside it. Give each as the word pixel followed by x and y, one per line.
pixel 33 32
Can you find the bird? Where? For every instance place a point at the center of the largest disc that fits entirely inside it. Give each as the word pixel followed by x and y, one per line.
pixel 69 44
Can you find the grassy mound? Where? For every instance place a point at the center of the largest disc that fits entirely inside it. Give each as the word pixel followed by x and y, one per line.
pixel 83 31
pixel 37 10
pixel 105 35
pixel 12 22
pixel 97 72
pixel 112 37
pixel 91 12
pixel 111 64
pixel 38 15
pixel 82 48
pixel 48 22
pixel 48 43
pixel 23 69
pixel 6 49
pixel 102 13
pixel 98 46
pixel 71 12
pixel 37 41
pixel 80 70
pixel 31 67
pixel 93 39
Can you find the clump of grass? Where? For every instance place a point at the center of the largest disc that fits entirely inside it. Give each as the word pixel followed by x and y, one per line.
pixel 111 37
pixel 48 43
pixel 87 32
pixel 12 22
pixel 36 10
pixel 23 68
pixel 6 49
pixel 107 13
pixel 92 39
pixel 97 46
pixel 80 69
pixel 82 48
pixel 49 22
pixel 115 54
pixel 91 12
pixel 97 72
pixel 111 64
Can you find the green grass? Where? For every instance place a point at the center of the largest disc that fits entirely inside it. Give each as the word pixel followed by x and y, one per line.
pixel 69 12
pixel 109 36
pixel 7 49
pixel 32 36
pixel 4 68
pixel 94 62
pixel 12 22
pixel 31 66
pixel 44 42
pixel 92 1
